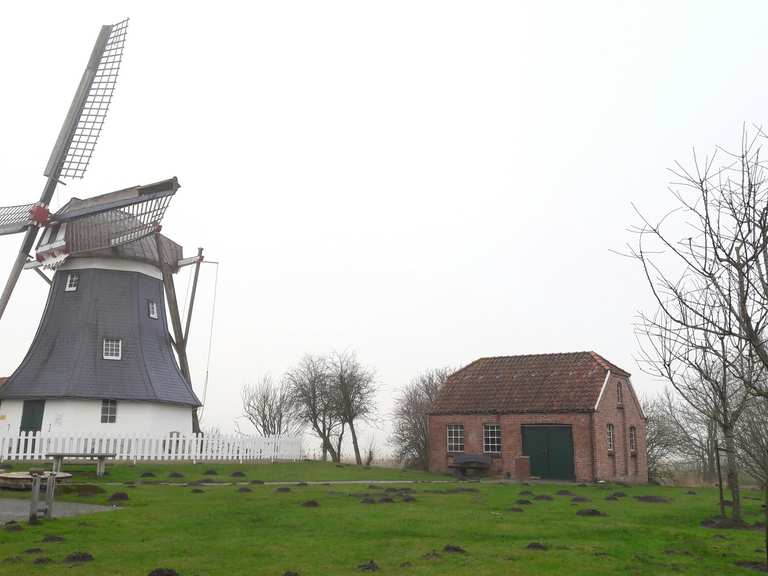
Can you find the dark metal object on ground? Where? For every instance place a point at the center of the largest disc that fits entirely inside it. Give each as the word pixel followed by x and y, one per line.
pixel 468 464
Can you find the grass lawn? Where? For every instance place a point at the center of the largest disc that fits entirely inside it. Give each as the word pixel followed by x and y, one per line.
pixel 224 531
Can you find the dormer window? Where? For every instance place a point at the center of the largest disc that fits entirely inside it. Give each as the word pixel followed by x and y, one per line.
pixel 73 280
pixel 112 349
pixel 152 309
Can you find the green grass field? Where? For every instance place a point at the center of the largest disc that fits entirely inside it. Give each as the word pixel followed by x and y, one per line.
pixel 222 531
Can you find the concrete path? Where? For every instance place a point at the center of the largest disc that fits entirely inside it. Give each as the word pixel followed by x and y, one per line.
pixel 18 509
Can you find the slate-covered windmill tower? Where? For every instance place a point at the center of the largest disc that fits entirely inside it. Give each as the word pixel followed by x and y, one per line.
pixel 102 360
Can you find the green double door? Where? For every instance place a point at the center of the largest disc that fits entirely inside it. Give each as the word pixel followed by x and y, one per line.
pixel 550 450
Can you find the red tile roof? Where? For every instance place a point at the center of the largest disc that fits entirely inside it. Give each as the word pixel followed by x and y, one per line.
pixel 538 383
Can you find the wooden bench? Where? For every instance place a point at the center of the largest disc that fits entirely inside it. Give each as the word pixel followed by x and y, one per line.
pixel 101 459
pixel 33 479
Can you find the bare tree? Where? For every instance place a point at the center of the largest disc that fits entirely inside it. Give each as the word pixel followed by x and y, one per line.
pixel 269 407
pixel 354 390
pixel 752 440
pixel 660 435
pixel 410 435
pixel 312 394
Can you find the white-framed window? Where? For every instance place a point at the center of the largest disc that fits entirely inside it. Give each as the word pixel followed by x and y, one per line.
pixel 112 349
pixel 491 438
pixel 455 437
pixel 609 437
pixel 152 305
pixel 108 411
pixel 619 393
pixel 73 281
pixel 632 439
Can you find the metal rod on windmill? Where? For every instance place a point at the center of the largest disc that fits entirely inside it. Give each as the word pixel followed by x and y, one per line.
pixel 74 146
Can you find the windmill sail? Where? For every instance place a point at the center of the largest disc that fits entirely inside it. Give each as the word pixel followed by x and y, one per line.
pixel 105 221
pixel 15 219
pixel 74 147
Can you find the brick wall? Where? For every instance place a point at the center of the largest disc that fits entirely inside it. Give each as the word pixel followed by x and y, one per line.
pixel 587 429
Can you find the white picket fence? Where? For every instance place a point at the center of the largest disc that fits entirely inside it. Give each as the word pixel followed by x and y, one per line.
pixel 195 448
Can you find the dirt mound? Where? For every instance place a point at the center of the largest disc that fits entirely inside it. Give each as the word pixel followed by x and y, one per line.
pixel 691 493
pixel 434 555
pixel 590 512
pixel 543 497
pixel 52 538
pixel 174 475
pixel 238 474
pixel 290 573
pixel 537 546
pixel 580 499
pixel 42 560
pixel 523 502
pixel 311 504
pixel 652 499
pixel 197 491
pixel 82 490
pixel 724 523
pixel 13 526
pixel 408 498
pixel 564 493
pixel 367 500
pixel 33 551
pixel 163 572
pixel 453 549
pixel 119 497
pixel 515 509
pixel 611 498
pixel 147 475
pixel 79 557
pixel 374 487
pixel 758 566
pixel 526 493
pixel 619 494
pixel 283 489
pixel 210 472
pixel 386 500
pixel 244 489
pixel 369 566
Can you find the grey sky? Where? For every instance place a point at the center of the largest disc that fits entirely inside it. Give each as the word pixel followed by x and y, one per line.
pixel 422 182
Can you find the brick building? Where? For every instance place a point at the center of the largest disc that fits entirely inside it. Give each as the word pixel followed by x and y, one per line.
pixel 575 416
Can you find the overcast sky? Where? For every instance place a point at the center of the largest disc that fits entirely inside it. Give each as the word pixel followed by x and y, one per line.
pixel 424 183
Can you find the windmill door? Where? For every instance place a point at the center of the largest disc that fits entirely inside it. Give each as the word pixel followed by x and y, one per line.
pixel 550 450
pixel 31 422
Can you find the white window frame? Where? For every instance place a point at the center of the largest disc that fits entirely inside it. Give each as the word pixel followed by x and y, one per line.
pixel 632 439
pixel 610 437
pixel 152 309
pixel 73 281
pixel 492 441
pixel 110 350
pixel 108 411
pixel 455 437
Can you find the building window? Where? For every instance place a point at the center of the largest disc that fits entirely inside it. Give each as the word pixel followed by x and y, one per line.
pixel 619 393
pixel 108 411
pixel 492 439
pixel 113 349
pixel 73 280
pixel 610 437
pixel 153 309
pixel 632 439
pixel 455 438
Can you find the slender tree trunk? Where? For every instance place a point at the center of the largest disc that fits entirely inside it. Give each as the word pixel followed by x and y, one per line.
pixel 732 472
pixel 358 459
pixel 765 505
pixel 719 479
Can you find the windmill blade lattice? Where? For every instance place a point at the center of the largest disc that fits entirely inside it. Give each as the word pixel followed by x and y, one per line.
pixel 14 219
pixel 96 105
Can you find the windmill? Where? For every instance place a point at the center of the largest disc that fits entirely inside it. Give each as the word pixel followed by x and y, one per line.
pixel 104 333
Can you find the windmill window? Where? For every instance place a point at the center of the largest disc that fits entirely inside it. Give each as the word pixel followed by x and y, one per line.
pixel 619 393
pixel 632 439
pixel 455 438
pixel 609 437
pixel 108 411
pixel 113 349
pixel 73 280
pixel 153 309
pixel 492 439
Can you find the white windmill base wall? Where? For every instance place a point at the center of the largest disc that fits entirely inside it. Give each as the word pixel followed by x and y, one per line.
pixel 83 418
